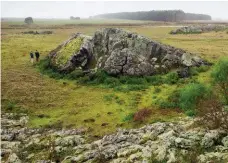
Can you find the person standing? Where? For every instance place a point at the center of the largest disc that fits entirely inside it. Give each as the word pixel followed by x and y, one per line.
pixel 31 57
pixel 37 56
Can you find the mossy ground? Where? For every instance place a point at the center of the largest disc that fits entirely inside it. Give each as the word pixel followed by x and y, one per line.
pixel 67 103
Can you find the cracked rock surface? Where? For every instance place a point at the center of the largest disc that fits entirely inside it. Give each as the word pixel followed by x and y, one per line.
pixel 120 52
pixel 162 141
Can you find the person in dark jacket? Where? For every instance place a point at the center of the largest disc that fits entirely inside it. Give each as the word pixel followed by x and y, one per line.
pixel 37 54
pixel 31 57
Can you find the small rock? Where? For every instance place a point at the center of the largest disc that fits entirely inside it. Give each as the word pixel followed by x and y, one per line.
pixel 13 158
pixel 225 141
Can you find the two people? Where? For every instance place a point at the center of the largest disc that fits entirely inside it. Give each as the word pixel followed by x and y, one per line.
pixel 37 54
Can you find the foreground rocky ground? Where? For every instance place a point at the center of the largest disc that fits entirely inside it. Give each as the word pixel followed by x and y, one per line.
pixel 158 142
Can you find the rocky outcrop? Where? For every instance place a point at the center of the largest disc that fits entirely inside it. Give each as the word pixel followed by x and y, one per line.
pixel 198 29
pixel 120 52
pixel 38 32
pixel 165 142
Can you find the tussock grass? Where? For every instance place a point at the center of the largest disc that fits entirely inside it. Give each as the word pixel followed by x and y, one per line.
pixel 68 103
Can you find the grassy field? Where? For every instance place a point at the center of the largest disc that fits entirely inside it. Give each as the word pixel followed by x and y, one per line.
pixel 81 21
pixel 65 103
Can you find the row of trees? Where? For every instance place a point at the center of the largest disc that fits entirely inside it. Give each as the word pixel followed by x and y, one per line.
pixel 163 15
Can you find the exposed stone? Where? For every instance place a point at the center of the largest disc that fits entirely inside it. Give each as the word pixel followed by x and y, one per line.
pixel 120 52
pixel 69 140
pixel 199 29
pixel 162 141
pixel 184 143
pixel 13 158
pixel 38 32
pixel 210 138
pixel 225 141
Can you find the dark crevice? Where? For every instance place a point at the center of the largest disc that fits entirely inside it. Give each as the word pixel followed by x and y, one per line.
pixel 125 62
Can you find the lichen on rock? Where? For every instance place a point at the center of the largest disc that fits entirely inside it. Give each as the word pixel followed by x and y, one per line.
pixel 68 50
pixel 120 52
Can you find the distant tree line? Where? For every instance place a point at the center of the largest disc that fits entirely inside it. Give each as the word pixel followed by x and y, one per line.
pixel 162 15
pixel 74 18
pixel 191 16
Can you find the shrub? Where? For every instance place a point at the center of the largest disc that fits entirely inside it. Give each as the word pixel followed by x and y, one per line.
pixel 44 64
pixel 136 87
pixel 212 114
pixel 203 68
pixel 75 74
pixel 99 77
pixel 83 80
pixel 10 106
pixel 171 102
pixel 154 80
pixel 111 81
pixel 136 80
pixel 190 95
pixel 220 77
pixel 142 114
pixel 157 90
pixel 190 113
pixel 196 70
pixel 193 71
pixel 167 104
pixel 171 78
pixel 123 79
pixel 128 117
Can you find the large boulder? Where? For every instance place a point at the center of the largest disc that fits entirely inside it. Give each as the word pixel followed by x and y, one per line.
pixel 120 52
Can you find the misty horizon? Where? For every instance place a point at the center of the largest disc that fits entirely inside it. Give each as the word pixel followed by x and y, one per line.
pixel 50 9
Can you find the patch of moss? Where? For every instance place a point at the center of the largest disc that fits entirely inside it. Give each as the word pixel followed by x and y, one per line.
pixel 68 50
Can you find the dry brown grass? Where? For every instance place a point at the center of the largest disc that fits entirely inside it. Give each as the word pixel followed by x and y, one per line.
pixel 212 114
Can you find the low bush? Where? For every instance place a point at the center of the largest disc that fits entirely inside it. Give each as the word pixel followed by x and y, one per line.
pixel 83 80
pixel 186 98
pixel 136 80
pixel 168 104
pixel 171 78
pixel 128 117
pixel 10 106
pixel 154 80
pixel 75 74
pixel 112 82
pixel 196 70
pixel 220 77
pixel 157 90
pixel 171 102
pixel 136 87
pixel 142 114
pixel 191 94
pixel 212 114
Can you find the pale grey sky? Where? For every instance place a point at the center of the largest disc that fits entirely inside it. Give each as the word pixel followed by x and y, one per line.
pixel 84 9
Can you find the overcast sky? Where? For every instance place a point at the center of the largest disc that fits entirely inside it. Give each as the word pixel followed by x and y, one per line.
pixel 84 9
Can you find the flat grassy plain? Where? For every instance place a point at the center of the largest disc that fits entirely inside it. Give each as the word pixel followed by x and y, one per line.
pixel 38 21
pixel 64 103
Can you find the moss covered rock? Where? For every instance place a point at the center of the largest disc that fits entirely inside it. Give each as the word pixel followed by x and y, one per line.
pixel 120 52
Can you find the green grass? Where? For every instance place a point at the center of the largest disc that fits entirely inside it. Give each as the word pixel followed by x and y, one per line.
pixel 64 102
